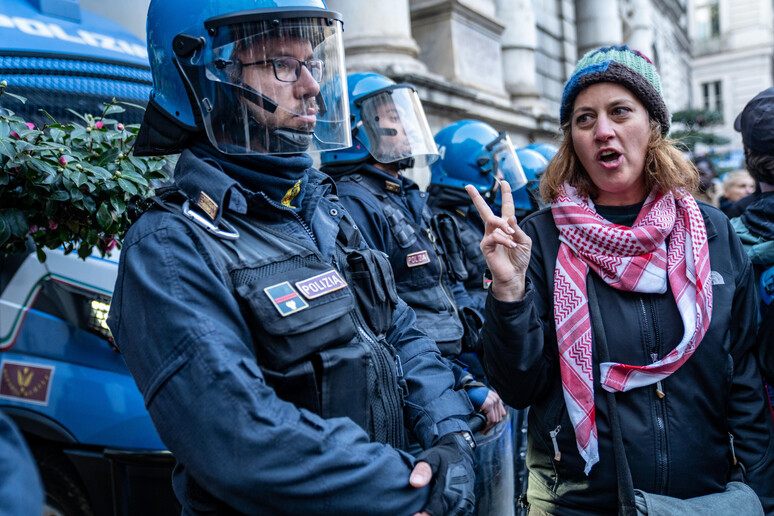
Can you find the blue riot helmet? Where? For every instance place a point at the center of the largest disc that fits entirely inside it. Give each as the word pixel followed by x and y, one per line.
pixel 258 76
pixel 472 152
pixel 387 123
pixel 547 150
pixel 533 163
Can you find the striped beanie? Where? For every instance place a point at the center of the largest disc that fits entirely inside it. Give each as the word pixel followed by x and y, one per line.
pixel 624 66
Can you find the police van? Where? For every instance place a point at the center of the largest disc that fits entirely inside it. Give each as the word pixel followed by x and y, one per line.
pixel 62 380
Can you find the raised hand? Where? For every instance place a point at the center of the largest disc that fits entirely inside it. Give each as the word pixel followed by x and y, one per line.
pixel 505 246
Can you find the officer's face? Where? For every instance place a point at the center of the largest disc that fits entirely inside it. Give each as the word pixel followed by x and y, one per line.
pixel 297 105
pixel 393 139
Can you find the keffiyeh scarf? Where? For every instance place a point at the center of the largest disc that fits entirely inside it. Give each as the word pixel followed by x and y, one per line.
pixel 633 259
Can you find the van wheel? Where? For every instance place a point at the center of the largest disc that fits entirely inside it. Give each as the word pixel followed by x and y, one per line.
pixel 65 495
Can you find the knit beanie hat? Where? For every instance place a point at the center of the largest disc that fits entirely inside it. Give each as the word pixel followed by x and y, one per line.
pixel 624 66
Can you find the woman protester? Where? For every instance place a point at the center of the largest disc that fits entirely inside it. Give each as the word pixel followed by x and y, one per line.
pixel 626 285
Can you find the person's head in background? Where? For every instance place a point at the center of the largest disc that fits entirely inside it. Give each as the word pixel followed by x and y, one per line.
pixel 615 123
pixel 737 184
pixel 756 123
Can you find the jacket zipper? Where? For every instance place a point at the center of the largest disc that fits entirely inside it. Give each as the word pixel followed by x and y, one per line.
pixel 388 381
pixel 295 215
pixel 659 401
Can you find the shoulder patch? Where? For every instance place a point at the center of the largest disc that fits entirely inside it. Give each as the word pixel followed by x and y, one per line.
pixel 321 284
pixel 285 298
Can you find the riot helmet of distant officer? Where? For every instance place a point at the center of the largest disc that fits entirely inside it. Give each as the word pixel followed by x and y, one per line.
pixel 388 126
pixel 257 76
pixel 473 152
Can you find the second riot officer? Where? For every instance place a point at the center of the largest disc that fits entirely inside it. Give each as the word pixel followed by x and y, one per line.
pixel 390 133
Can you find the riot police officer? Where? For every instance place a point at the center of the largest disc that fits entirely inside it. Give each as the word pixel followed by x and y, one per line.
pixel 275 357
pixel 471 154
pixel 390 133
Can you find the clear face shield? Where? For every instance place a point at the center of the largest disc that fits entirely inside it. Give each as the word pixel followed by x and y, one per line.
pixel 271 86
pixel 505 165
pixel 393 127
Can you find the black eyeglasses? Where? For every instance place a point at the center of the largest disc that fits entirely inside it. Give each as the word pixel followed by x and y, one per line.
pixel 288 69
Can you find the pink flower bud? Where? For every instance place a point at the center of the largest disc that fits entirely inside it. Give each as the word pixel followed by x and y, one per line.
pixel 63 161
pixel 30 125
pixel 15 134
pixel 33 229
pixel 52 225
pixel 120 127
pixel 99 125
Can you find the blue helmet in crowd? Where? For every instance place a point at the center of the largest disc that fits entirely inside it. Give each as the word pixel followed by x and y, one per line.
pixel 547 150
pixel 257 76
pixel 387 123
pixel 474 153
pixel 533 163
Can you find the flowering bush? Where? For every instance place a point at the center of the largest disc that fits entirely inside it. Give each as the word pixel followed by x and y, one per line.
pixel 69 184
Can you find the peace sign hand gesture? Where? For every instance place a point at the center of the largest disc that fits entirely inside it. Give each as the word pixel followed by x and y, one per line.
pixel 505 246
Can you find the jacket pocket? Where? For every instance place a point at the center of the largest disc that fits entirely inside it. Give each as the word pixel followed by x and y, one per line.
pixel 298 314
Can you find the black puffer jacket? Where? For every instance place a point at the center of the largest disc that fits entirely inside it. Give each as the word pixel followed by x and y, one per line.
pixel 677 445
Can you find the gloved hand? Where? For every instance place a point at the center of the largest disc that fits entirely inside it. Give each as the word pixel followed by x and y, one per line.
pixel 451 491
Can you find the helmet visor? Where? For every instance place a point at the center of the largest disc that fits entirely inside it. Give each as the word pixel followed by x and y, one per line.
pixel 272 86
pixel 505 164
pixel 394 127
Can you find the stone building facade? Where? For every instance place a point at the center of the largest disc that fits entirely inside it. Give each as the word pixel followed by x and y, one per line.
pixel 501 61
pixel 733 46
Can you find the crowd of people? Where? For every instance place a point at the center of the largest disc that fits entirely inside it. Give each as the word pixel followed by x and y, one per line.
pixel 339 341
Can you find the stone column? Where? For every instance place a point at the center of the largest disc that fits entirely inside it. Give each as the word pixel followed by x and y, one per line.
pixel 598 23
pixel 519 42
pixel 641 37
pixel 460 41
pixel 377 36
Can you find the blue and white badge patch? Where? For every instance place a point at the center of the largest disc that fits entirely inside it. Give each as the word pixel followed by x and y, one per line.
pixel 321 284
pixel 285 299
pixel 417 259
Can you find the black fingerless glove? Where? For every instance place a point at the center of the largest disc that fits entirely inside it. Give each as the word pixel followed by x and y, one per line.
pixel 451 490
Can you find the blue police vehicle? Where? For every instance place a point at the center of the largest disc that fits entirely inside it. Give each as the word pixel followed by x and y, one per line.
pixel 61 378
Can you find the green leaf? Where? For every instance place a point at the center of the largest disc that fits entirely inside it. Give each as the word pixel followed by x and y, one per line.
pixel 135 178
pixel 5 230
pixel 4 177
pixel 42 166
pixel 118 205
pixel 113 109
pixel 16 221
pixel 107 157
pixel 132 105
pixel 5 129
pixel 60 195
pixel 138 163
pixel 84 250
pixel 78 177
pixel 76 195
pixel 41 255
pixel 104 217
pixel 82 117
pixel 7 149
pixel 57 134
pixel 89 204
pixel 127 186
pixel 98 172
pixel 21 99
pixel 48 115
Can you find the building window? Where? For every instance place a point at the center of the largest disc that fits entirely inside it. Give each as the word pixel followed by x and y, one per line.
pixel 708 20
pixel 712 95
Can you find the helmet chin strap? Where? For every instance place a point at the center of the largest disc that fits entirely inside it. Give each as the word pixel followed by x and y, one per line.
pixel 281 140
pixel 405 163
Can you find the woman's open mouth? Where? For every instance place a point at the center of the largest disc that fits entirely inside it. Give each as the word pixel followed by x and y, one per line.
pixel 609 158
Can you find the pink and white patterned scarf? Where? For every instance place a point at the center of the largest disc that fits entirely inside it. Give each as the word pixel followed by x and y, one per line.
pixel 633 259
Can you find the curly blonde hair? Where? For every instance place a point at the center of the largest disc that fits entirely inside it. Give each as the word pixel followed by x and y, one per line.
pixel 665 167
